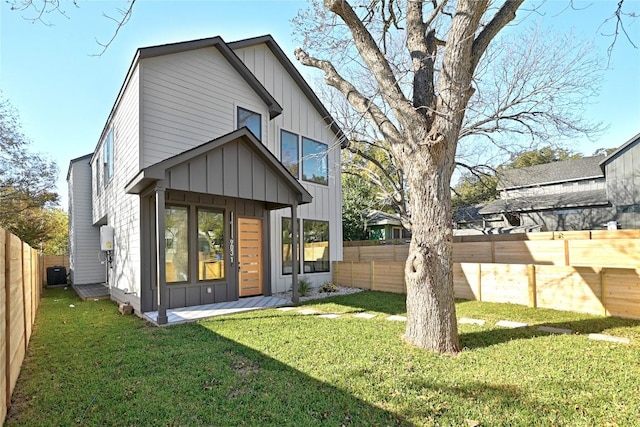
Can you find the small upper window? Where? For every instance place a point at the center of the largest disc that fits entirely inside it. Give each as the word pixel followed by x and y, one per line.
pixel 314 161
pixel 251 120
pixel 289 151
pixel 107 157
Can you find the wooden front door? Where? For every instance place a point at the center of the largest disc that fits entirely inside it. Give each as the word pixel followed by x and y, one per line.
pixel 250 256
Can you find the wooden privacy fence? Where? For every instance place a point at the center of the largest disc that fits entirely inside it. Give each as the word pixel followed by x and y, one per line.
pixel 594 290
pixel 619 252
pixel 20 291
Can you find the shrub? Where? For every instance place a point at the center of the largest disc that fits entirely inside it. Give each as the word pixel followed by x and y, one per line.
pixel 304 286
pixel 328 287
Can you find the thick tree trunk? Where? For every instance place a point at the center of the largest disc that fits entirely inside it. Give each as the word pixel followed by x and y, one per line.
pixel 431 312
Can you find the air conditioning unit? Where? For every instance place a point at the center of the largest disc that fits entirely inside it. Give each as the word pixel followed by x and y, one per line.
pixel 106 238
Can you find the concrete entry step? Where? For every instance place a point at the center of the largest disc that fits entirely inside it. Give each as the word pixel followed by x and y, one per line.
pixel 92 291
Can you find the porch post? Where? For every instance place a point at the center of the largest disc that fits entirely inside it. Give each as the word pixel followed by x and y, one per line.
pixel 294 252
pixel 161 274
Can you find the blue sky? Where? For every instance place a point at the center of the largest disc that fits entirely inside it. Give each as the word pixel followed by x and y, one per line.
pixel 63 93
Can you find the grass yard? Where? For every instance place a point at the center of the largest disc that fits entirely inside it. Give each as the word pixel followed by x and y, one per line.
pixel 88 365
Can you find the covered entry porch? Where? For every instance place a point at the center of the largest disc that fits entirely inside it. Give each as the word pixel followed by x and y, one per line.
pixel 205 224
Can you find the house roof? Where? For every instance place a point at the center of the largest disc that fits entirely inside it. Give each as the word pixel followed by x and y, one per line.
pixel 297 77
pixel 550 173
pixel 578 199
pixel 153 51
pixel 222 156
pixel 383 218
pixel 620 150
pixel 227 51
pixel 77 159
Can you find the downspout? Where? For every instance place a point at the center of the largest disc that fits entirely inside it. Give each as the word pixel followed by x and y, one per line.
pixel 294 255
pixel 161 272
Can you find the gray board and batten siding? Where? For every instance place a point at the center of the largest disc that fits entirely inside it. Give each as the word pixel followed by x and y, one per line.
pixel 84 238
pixel 235 174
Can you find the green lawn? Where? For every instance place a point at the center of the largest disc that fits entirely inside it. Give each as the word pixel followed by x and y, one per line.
pixel 88 365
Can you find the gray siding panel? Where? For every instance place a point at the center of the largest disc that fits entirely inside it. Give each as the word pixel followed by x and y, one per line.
pixel 245 172
pixel 84 238
pixel 215 177
pixel 623 177
pixel 271 184
pixel 258 188
pixel 230 169
pixel 198 175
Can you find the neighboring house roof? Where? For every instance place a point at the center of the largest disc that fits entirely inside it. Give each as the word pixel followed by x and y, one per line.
pixel 383 218
pixel 77 159
pixel 468 213
pixel 296 76
pixel 550 173
pixel 276 196
pixel 548 201
pixel 619 151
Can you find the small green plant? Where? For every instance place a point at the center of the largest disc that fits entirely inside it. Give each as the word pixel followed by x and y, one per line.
pixel 304 286
pixel 328 287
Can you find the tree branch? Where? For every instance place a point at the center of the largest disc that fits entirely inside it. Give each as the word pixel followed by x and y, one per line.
pixel 361 103
pixel 506 14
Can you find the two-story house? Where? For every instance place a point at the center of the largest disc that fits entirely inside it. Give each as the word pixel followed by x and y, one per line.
pixel 580 194
pixel 214 156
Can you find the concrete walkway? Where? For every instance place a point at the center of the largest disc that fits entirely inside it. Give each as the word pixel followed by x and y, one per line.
pixel 199 312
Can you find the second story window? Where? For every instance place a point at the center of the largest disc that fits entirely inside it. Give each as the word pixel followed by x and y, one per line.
pixel 289 151
pixel 251 120
pixel 107 157
pixel 314 161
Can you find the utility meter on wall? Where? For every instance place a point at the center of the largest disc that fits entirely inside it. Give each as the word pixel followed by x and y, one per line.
pixel 106 238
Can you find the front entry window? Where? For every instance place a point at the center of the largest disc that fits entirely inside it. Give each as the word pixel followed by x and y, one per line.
pixel 176 220
pixel 210 245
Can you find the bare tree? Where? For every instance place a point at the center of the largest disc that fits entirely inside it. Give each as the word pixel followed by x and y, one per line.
pixel 422 128
pixel 41 11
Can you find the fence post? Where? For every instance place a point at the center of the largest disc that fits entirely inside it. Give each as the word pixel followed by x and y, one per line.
pixel 531 273
pixel 566 252
pixel 372 276
pixel 493 251
pixel 479 282
pixel 603 289
pixel 351 275
pixel 7 331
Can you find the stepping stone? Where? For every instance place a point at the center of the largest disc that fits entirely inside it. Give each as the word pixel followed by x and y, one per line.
pixel 397 318
pixel 308 311
pixel 468 321
pixel 330 316
pixel 286 308
pixel 609 338
pixel 364 315
pixel 553 330
pixel 511 325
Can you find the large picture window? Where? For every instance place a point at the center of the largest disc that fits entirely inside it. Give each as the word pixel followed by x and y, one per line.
pixel 176 220
pixel 210 245
pixel 287 252
pixel 314 161
pixel 251 120
pixel 316 246
pixel 289 151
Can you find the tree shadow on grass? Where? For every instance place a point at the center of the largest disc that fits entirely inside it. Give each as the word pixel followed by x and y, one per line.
pixel 486 338
pixel 105 369
pixel 369 301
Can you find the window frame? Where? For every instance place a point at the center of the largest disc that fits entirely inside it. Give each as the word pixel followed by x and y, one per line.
pixel 298 159
pixel 108 157
pixel 188 245
pixel 219 211
pixel 304 251
pixel 304 159
pixel 251 112
pixel 299 246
